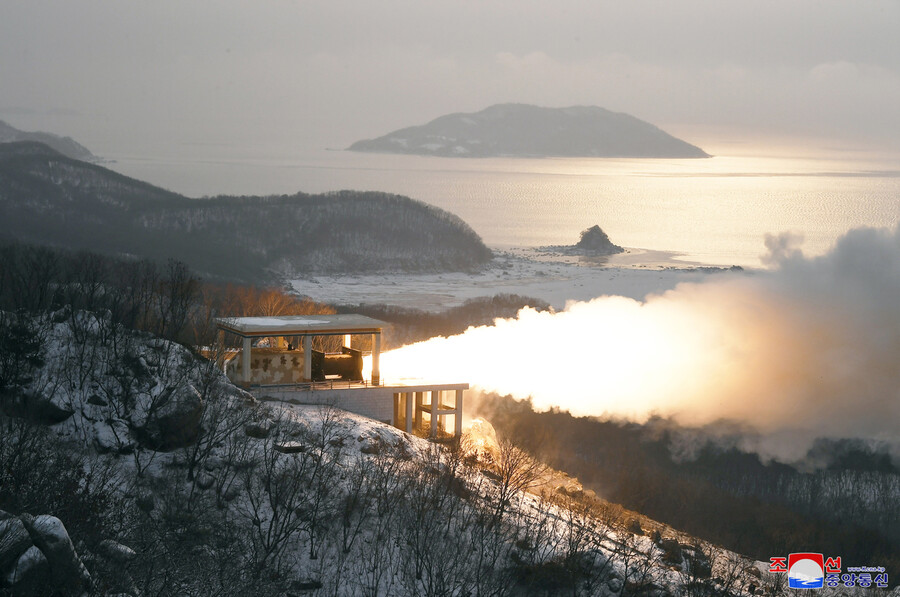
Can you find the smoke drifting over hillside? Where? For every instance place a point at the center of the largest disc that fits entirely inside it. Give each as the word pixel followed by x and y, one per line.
pixel 810 348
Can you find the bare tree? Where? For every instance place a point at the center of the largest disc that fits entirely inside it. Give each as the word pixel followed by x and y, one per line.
pixel 516 472
pixel 274 502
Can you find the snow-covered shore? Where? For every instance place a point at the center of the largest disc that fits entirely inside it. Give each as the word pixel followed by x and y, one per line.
pixel 542 273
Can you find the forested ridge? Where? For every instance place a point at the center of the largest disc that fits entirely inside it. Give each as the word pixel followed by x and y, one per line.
pixel 49 199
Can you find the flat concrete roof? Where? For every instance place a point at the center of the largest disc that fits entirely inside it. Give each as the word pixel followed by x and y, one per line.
pixel 300 325
pixel 394 387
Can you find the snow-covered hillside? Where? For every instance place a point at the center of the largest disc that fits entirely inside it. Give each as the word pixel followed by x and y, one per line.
pixel 147 448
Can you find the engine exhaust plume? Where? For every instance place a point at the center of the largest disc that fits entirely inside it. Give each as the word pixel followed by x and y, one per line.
pixel 809 348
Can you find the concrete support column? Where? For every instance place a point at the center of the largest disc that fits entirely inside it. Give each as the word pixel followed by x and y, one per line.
pixel 457 428
pixel 347 341
pixel 307 358
pixel 435 405
pixel 245 362
pixel 409 411
pixel 376 360
pixel 395 418
pixel 420 398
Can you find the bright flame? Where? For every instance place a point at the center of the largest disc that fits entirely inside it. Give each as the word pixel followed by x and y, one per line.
pixel 811 347
pixel 612 354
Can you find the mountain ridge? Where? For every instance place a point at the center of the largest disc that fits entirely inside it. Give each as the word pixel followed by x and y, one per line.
pixel 64 145
pixel 47 198
pixel 523 130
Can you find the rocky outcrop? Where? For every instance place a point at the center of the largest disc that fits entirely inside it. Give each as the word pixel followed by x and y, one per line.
pixel 112 563
pixel 175 422
pixel 596 242
pixel 14 541
pixel 37 557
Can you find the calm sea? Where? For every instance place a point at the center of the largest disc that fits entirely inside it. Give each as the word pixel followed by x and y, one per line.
pixel 714 211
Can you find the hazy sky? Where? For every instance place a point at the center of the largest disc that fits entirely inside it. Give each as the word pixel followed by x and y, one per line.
pixel 127 77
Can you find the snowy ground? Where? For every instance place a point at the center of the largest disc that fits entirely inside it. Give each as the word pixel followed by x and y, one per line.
pixel 541 273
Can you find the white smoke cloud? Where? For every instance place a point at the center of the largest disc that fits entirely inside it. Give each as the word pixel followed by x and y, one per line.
pixel 810 348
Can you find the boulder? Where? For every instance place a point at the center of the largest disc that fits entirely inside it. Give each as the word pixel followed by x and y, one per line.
pixel 68 575
pixel 112 564
pixel 46 409
pixel 697 562
pixel 290 447
pixel 672 552
pixel 29 574
pixel 115 552
pixel 260 429
pixel 204 480
pixel 175 420
pixel 145 501
pixel 571 489
pixel 370 445
pixel 633 525
pixel 14 541
pixel 97 400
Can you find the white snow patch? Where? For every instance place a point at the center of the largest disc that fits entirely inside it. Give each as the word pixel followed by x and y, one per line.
pixel 276 322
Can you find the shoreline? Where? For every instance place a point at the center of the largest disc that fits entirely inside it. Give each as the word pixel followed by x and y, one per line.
pixel 537 272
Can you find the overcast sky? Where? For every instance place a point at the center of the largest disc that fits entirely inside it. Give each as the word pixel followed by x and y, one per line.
pixel 128 76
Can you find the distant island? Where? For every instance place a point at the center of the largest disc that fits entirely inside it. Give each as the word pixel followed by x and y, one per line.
pixel 520 130
pixel 64 145
pixel 594 241
pixel 47 198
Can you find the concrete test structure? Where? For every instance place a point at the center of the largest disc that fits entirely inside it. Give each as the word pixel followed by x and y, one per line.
pixel 289 370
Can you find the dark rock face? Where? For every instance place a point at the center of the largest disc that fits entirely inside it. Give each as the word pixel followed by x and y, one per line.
pixel 37 557
pixel 519 130
pixel 697 562
pixel 112 567
pixel 14 541
pixel 596 242
pixel 115 552
pixel 49 411
pixel 176 421
pixel 30 573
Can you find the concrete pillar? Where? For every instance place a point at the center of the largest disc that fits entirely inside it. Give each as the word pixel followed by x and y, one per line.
pixel 395 419
pixel 420 396
pixel 435 405
pixel 376 360
pixel 457 428
pixel 307 358
pixel 245 362
pixel 347 341
pixel 409 411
